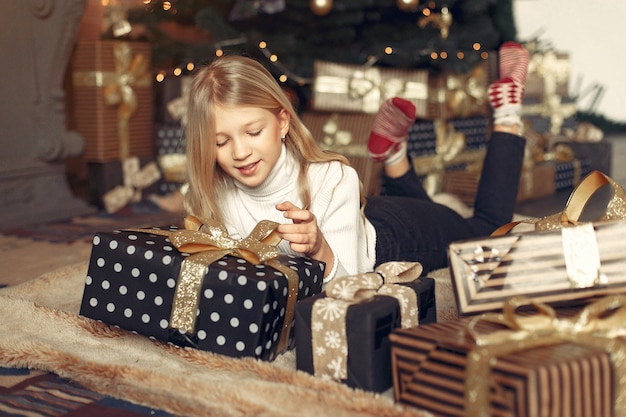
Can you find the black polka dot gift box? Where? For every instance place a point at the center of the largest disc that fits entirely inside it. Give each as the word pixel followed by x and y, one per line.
pixel 141 281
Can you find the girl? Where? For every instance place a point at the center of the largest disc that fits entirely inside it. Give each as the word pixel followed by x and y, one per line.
pixel 251 158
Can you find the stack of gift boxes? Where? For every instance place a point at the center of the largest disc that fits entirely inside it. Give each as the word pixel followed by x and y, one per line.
pixel 451 121
pixel 116 104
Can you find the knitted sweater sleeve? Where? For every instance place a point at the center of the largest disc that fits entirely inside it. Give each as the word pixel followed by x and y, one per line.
pixel 337 207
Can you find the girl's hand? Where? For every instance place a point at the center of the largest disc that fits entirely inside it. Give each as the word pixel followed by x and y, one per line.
pixel 304 235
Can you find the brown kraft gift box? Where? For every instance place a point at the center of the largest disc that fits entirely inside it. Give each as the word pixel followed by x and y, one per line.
pixel 545 368
pixel 113 99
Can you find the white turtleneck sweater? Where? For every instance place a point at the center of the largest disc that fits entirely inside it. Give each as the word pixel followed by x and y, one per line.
pixel 335 204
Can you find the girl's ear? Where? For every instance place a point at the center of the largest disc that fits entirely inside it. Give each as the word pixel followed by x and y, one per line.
pixel 284 118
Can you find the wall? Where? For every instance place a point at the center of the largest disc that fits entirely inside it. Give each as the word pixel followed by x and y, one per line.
pixel 592 33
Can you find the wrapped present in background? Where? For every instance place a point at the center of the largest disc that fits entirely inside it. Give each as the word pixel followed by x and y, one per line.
pixel 552 115
pixel 459 96
pixel 113 99
pixel 552 363
pixel 536 181
pixel 363 88
pixel 437 146
pixel 115 184
pixel 561 267
pixel 171 148
pixel 170 97
pixel 213 300
pixel 548 74
pixel 343 333
pixel 347 134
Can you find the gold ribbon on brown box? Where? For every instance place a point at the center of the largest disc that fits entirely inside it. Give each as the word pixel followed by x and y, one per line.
pixel 369 85
pixel 208 241
pixel 118 87
pixel 328 316
pixel 135 180
pixel 599 325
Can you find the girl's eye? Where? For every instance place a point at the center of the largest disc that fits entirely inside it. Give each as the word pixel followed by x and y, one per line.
pixel 255 133
pixel 221 143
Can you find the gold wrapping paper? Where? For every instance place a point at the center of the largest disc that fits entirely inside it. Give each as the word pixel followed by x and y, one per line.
pixel 363 88
pixel 328 326
pixel 597 326
pixel 113 99
pixel 207 241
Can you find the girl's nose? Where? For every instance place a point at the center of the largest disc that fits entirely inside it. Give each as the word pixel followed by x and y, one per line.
pixel 241 149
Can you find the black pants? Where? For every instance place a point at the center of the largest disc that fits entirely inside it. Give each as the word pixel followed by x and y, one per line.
pixel 412 227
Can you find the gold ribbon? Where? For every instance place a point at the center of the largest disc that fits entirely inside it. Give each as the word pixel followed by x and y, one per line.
pixel 369 85
pixel 118 87
pixel 328 316
pixel 135 180
pixel 598 326
pixel 462 94
pixel 208 241
pixel 450 144
pixel 177 107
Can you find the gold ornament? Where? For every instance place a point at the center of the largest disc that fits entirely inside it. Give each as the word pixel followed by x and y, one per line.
pixel 408 5
pixel 442 20
pixel 321 7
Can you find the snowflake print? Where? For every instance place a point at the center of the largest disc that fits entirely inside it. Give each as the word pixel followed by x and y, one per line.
pixel 330 309
pixel 337 368
pixel 345 289
pixel 332 339
pixel 320 350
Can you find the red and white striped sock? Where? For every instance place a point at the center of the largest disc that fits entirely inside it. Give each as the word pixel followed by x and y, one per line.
pixel 387 141
pixel 507 93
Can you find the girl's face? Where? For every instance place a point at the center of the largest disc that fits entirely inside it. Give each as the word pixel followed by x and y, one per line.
pixel 248 141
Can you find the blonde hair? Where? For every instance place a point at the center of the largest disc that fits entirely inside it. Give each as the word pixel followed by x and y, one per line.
pixel 238 81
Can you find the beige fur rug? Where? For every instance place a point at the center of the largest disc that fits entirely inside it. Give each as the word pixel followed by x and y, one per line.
pixel 41 330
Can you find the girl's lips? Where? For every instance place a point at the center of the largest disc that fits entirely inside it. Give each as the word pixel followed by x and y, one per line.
pixel 248 169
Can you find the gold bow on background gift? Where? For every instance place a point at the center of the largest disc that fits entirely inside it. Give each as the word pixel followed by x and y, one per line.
pixel 462 95
pixel 130 71
pixel 135 180
pixel 368 85
pixel 208 241
pixel 328 316
pixel 449 151
pixel 599 325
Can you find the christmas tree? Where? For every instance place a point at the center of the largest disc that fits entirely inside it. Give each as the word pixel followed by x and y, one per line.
pixel 290 35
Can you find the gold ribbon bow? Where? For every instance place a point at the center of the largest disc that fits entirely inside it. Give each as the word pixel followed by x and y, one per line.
pixel 135 180
pixel 450 145
pixel 598 326
pixel 466 93
pixel 118 87
pixel 328 316
pixel 208 241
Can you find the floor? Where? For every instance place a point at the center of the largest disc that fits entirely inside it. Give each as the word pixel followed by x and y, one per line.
pixel 24 259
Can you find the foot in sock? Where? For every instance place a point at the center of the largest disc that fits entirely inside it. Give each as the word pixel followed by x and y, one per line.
pixel 390 129
pixel 507 93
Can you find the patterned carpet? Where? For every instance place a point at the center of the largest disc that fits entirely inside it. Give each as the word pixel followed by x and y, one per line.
pixel 32 393
pixel 143 214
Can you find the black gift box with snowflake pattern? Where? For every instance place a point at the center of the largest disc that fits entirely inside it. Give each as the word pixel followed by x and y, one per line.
pixel 131 282
pixel 368 325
